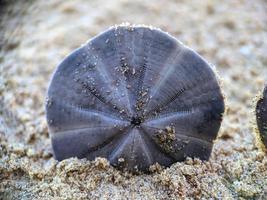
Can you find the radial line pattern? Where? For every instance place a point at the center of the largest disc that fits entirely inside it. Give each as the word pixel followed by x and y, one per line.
pixel 135 96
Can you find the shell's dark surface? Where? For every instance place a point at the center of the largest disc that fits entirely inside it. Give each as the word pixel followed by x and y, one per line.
pixel 261 114
pixel 135 96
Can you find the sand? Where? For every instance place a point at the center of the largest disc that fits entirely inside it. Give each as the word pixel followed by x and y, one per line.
pixel 36 35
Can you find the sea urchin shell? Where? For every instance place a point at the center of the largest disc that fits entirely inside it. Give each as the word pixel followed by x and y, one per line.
pixel 261 115
pixel 136 96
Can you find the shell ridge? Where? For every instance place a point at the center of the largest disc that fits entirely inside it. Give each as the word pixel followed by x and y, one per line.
pixel 102 99
pixel 119 146
pixel 93 111
pixel 182 91
pixel 152 140
pixel 138 145
pixel 200 104
pixel 142 74
pixel 66 131
pixel 123 62
pixel 105 77
pixel 182 135
pixel 84 117
pixel 166 115
pixel 145 149
pixel 155 152
pixel 83 134
pixel 112 139
pixel 177 52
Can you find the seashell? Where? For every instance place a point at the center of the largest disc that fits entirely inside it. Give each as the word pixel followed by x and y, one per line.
pixel 136 96
pixel 261 116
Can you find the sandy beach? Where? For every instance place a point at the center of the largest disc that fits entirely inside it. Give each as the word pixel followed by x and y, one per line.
pixel 36 35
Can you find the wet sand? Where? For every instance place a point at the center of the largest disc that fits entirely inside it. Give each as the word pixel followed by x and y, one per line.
pixel 36 36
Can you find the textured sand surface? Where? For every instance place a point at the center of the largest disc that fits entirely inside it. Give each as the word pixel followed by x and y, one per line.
pixel 36 36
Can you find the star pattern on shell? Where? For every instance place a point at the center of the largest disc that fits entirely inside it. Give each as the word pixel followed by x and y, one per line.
pixel 136 96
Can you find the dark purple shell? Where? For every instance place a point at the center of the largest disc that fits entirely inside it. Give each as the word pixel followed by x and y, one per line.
pixel 136 96
pixel 261 114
